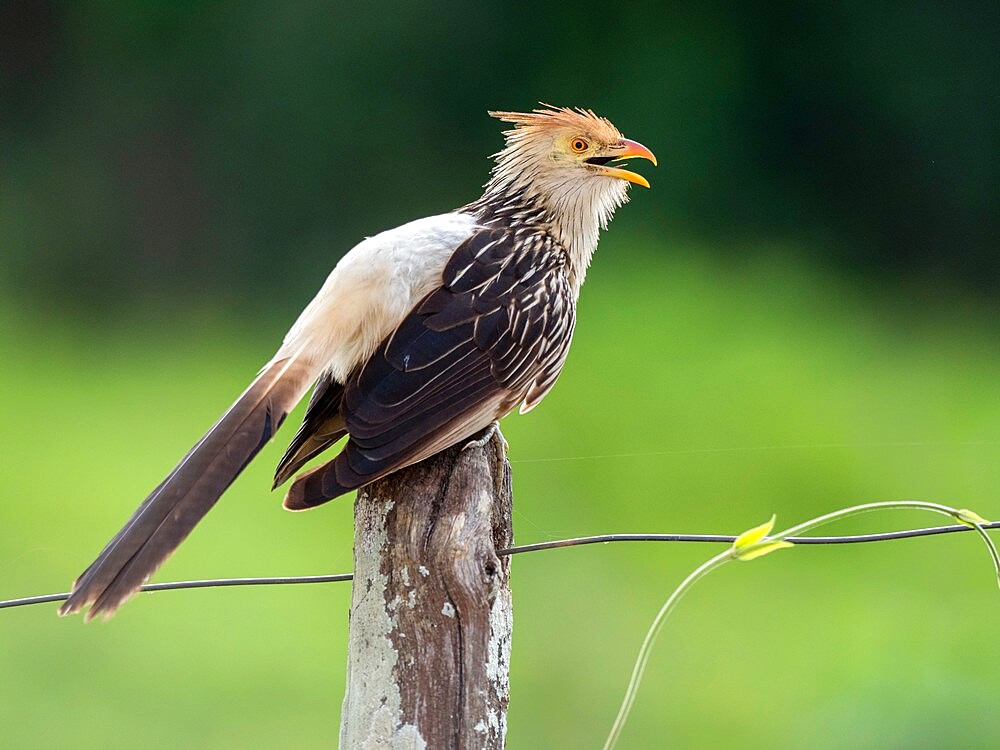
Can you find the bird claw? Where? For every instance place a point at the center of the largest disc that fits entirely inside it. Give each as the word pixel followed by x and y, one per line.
pixel 493 429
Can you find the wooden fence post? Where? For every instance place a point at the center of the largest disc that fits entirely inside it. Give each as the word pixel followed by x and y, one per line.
pixel 431 615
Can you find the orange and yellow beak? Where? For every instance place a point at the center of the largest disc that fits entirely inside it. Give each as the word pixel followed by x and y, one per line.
pixel 625 149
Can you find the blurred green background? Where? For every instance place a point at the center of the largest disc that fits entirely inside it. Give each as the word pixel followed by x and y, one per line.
pixel 800 315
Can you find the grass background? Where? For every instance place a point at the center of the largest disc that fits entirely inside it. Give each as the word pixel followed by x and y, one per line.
pixel 701 396
pixel 801 315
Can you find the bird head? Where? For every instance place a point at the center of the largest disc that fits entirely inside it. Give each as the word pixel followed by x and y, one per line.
pixel 567 162
pixel 557 149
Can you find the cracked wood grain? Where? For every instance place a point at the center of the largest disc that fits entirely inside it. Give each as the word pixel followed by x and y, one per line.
pixel 431 616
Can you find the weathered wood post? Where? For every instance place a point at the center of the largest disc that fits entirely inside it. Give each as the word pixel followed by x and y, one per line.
pixel 431 616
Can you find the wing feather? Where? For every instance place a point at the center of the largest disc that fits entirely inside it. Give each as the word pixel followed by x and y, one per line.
pixel 322 426
pixel 466 355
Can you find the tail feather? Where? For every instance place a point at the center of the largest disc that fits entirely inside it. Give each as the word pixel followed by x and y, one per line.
pixel 322 426
pixel 354 467
pixel 181 500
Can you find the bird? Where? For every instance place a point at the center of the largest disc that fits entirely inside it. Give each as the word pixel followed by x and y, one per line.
pixel 421 336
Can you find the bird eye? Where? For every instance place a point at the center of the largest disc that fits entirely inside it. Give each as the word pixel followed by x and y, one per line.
pixel 579 145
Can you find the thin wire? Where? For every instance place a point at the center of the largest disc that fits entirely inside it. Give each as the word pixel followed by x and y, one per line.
pixel 556 544
pixel 201 584
pixel 721 539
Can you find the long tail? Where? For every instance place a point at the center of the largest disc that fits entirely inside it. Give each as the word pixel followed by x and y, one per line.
pixel 181 500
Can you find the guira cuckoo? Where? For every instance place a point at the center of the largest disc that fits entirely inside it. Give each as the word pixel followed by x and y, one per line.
pixel 420 337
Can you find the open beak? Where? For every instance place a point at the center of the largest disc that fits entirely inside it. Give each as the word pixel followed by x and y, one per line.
pixel 624 149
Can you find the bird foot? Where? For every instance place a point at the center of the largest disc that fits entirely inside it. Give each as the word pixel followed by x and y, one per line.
pixel 488 433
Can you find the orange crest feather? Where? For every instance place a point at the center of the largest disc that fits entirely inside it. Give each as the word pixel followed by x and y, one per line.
pixel 551 117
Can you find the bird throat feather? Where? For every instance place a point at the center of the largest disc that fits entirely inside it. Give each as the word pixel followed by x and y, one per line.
pixel 530 179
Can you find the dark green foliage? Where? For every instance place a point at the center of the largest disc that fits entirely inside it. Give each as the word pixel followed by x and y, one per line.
pixel 176 149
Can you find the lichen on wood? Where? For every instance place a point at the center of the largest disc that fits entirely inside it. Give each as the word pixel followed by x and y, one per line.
pixel 431 613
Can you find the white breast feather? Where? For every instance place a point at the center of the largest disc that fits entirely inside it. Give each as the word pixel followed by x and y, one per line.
pixel 371 290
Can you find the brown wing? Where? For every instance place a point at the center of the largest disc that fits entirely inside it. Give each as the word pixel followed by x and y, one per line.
pixel 322 426
pixel 495 332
